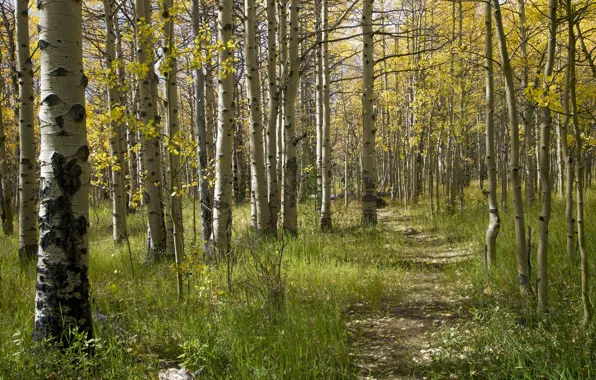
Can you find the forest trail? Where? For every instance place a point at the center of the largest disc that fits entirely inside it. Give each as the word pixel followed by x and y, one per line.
pixel 394 340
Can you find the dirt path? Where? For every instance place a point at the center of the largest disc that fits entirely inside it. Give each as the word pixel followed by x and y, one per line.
pixel 392 342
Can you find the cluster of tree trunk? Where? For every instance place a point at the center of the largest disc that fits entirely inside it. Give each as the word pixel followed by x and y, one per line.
pixel 257 105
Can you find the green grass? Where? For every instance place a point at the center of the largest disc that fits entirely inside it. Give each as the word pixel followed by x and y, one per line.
pixel 295 331
pixel 294 326
pixel 498 336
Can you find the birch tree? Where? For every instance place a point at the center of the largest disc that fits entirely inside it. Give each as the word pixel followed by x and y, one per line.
pixel 28 160
pixel 528 109
pixel 149 134
pixel 115 116
pixel 493 206
pixel 253 89
pixel 369 171
pixel 544 168
pixel 273 91
pixel 172 134
pixel 201 130
pixel 326 125
pixel 290 168
pixel 514 165
pixel 62 290
pixel 7 211
pixel 222 207
pixel 580 166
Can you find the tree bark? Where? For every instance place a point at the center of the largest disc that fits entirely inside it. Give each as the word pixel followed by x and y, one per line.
pixel 201 130
pixel 326 224
pixel 173 134
pixel 7 210
pixel 28 160
pixel 493 206
pixel 544 169
pixel 117 113
pixel 222 208
pixel 514 166
pixel 273 90
pixel 253 88
pixel 369 170
pixel 62 291
pixel 581 231
pixel 290 168
pixel 149 137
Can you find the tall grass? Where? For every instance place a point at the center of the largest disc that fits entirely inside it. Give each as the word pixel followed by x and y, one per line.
pixel 223 333
pixel 500 336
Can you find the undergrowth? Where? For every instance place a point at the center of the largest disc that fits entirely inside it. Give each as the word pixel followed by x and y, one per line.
pixel 282 315
pixel 499 335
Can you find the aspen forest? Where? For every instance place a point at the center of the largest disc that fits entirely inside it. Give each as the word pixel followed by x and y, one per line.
pixel 285 189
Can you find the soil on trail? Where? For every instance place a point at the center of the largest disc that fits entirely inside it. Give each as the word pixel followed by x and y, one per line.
pixel 392 342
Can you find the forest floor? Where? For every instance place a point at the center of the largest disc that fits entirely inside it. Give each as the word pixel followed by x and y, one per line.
pixel 395 339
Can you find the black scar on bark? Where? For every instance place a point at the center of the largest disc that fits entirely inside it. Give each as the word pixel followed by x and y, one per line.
pixel 60 121
pixel 43 44
pixel 51 100
pixel 77 112
pixel 59 72
pixel 27 162
pixel 63 311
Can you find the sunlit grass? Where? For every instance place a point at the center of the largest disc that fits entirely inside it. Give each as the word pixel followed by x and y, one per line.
pixel 503 336
pixel 223 333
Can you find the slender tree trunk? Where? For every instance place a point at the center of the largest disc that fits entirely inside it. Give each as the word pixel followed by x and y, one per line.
pixel 518 207
pixel 581 232
pixel 326 224
pixel 369 171
pixel 117 112
pixel 319 103
pixel 201 130
pixel 528 110
pixel 493 206
pixel 545 130
pixel 222 210
pixel 568 159
pixel 7 211
pixel 173 133
pixel 27 160
pixel 62 291
pixel 283 69
pixel 133 154
pixel 149 139
pixel 258 179
pixel 271 142
pixel 290 169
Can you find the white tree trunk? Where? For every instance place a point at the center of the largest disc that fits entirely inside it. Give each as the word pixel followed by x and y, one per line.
pixel 28 160
pixel 116 111
pixel 326 224
pixel 7 211
pixel 528 111
pixel 290 169
pixel 201 128
pixel 581 229
pixel 253 89
pixel 493 206
pixel 272 184
pixel 544 168
pixel 62 291
pixel 149 140
pixel 369 170
pixel 222 208
pixel 172 132
pixel 514 166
